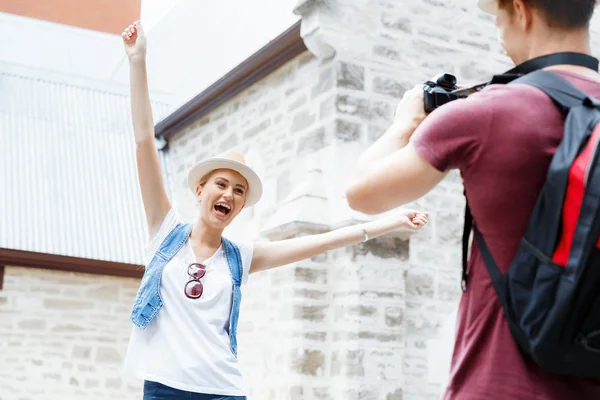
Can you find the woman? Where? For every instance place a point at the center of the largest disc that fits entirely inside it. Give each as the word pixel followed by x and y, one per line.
pixel 184 343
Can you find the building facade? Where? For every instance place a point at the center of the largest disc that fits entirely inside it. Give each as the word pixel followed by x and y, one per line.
pixel 369 322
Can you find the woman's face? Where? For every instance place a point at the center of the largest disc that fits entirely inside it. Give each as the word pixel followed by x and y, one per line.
pixel 222 197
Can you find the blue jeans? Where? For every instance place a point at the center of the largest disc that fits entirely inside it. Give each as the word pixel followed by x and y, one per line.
pixel 158 391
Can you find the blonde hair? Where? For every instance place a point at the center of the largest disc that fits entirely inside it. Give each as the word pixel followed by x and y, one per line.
pixel 204 178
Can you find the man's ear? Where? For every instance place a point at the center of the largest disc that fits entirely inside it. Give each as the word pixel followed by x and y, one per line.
pixel 524 14
pixel 198 192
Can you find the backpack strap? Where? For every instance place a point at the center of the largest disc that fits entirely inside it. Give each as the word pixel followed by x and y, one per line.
pixel 566 96
pixel 563 92
pixel 467 227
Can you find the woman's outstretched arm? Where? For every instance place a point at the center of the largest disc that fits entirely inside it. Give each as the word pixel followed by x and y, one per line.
pixel 274 254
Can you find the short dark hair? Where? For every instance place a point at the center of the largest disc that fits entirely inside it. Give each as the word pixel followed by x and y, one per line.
pixel 566 14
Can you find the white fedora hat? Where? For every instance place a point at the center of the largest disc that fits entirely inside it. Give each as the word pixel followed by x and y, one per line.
pixel 228 160
pixel 488 6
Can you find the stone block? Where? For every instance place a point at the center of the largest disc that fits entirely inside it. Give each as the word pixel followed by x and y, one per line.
pixel 346 131
pixel 394 316
pixel 108 355
pixel 387 52
pixel 32 324
pixel 310 313
pixel 325 83
pixel 395 395
pixel 302 120
pixel 354 106
pixel 260 128
pixel 228 143
pixel 420 283
pixel 314 141
pixel 388 86
pixel 402 24
pixel 350 76
pixel 308 362
pixel 67 304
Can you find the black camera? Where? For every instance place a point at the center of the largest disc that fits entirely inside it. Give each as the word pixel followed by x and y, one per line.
pixel 441 90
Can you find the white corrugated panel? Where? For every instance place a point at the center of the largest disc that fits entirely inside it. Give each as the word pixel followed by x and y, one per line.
pixel 68 181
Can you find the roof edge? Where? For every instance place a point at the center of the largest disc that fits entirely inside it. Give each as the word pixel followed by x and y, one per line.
pixel 22 258
pixel 276 53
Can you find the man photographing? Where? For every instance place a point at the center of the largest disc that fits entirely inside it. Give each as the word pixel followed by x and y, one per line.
pixel 502 140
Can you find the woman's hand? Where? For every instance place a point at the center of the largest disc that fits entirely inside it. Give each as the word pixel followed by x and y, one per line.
pixel 134 40
pixel 409 219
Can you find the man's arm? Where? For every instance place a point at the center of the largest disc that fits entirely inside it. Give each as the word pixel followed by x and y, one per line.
pixel 391 172
pixel 396 179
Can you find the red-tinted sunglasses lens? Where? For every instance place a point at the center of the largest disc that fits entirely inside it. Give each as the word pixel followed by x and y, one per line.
pixel 196 271
pixel 193 289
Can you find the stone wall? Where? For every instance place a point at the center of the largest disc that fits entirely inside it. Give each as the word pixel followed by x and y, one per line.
pixel 64 335
pixel 367 322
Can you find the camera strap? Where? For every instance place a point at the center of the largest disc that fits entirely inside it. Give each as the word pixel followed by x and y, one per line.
pixel 566 58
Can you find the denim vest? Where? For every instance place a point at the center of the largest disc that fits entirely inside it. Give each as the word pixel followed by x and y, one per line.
pixel 148 301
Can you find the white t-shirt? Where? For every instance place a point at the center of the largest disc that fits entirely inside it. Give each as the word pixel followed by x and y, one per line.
pixel 186 346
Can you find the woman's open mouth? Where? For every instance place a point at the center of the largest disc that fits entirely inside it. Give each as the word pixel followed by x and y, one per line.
pixel 222 209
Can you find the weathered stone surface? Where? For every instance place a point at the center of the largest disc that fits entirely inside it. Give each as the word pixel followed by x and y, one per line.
pixel 252 132
pixel 313 142
pixel 310 313
pixel 362 316
pixel 388 86
pixel 350 76
pixel 302 120
pixel 398 23
pixel 325 83
pixel 310 275
pixel 56 343
pixel 310 362
pixel 389 53
pixel 396 395
pixel 384 247
pixel 353 106
pixel 347 131
pixel 228 143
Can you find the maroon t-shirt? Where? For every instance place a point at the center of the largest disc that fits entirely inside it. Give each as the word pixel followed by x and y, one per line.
pixel 502 140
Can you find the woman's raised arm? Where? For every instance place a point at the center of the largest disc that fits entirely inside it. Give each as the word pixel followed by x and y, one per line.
pixel 154 196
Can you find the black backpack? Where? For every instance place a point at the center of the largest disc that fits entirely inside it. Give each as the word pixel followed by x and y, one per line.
pixel 551 293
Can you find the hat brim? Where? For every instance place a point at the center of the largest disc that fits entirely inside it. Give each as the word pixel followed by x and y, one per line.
pixel 488 6
pixel 198 171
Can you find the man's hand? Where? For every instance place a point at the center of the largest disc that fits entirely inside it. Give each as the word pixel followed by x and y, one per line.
pixel 134 40
pixel 410 112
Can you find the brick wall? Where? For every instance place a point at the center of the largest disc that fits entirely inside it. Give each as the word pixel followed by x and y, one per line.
pixel 64 335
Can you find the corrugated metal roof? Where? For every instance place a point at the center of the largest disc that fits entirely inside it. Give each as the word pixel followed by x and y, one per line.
pixel 68 181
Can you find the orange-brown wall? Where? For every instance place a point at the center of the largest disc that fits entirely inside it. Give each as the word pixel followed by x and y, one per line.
pixel 100 15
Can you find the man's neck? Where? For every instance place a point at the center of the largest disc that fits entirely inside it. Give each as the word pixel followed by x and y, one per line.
pixel 552 42
pixel 549 42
